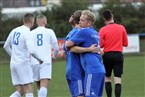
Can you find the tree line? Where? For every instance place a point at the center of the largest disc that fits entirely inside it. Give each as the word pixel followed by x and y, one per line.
pixel 130 15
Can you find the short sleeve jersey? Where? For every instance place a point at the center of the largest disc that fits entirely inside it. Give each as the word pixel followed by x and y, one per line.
pixel 91 62
pixel 42 39
pixel 73 64
pixel 17 39
pixel 113 37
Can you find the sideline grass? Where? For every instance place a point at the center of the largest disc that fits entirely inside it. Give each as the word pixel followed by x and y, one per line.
pixel 133 79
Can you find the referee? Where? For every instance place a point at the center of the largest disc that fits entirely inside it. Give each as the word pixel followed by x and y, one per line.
pixel 112 38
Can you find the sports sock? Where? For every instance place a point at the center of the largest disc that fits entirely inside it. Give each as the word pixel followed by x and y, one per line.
pixel 42 92
pixel 117 90
pixel 108 88
pixel 16 94
pixel 29 95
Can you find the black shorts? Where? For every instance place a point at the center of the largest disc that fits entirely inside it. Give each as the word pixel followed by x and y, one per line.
pixel 113 61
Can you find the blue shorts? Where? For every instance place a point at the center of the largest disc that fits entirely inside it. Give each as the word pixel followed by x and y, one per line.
pixel 76 87
pixel 94 84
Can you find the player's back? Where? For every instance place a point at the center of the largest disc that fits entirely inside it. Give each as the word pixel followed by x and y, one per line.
pixel 113 37
pixel 20 53
pixel 42 39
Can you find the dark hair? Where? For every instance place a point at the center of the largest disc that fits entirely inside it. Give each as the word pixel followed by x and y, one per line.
pixel 28 17
pixel 77 15
pixel 107 14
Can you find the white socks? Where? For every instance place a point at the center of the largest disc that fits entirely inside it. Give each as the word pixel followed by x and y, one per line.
pixel 29 95
pixel 42 92
pixel 16 94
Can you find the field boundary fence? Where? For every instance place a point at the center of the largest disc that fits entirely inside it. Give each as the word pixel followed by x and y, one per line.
pixel 4 58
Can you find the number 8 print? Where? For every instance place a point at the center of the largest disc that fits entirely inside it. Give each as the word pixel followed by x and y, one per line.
pixel 39 39
pixel 16 38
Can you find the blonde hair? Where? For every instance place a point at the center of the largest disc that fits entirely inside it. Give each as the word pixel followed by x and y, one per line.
pixel 90 15
pixel 40 17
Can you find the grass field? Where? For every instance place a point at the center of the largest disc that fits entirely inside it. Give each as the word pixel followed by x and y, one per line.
pixel 133 79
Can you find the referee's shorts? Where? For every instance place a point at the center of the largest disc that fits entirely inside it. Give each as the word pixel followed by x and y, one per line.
pixel 113 61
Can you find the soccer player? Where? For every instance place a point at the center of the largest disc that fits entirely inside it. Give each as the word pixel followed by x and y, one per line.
pixel 17 46
pixel 74 71
pixel 43 39
pixel 91 62
pixel 112 38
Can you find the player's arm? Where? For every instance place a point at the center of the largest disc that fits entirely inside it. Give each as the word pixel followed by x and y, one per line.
pixel 78 49
pixel 7 46
pixel 56 49
pixel 125 38
pixel 77 39
pixel 54 43
pixel 31 51
pixel 69 44
pixel 29 44
pixel 64 50
pixel 101 38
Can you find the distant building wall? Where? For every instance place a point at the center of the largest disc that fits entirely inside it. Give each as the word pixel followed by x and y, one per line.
pixel 22 3
pixel 33 3
pixel 14 3
pixel 102 1
pixel 131 0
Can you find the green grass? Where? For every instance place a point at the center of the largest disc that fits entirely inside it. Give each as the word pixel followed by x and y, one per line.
pixel 133 79
pixel 57 87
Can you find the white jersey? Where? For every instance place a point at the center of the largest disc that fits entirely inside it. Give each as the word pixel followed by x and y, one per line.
pixel 17 41
pixel 42 39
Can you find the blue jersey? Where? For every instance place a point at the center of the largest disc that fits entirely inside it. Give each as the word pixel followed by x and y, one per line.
pixel 73 65
pixel 91 62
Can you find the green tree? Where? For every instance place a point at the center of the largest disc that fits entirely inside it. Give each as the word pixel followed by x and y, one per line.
pixel 128 14
pixel 59 15
pixel 7 25
pixel 0 25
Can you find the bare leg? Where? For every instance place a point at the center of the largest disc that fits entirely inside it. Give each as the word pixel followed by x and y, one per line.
pixel 43 88
pixel 28 90
pixel 19 91
pixel 44 83
pixel 38 85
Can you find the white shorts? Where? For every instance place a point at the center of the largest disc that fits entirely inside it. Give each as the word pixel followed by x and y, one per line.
pixel 21 74
pixel 42 71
